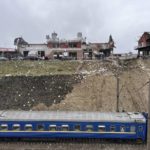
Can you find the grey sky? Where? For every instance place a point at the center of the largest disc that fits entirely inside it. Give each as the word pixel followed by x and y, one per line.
pixel 126 20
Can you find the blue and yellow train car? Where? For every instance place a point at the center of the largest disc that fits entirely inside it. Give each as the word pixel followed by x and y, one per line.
pixel 58 124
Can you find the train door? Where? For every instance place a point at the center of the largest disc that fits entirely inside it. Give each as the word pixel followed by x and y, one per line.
pixel 140 132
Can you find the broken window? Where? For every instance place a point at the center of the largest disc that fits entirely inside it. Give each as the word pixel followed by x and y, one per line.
pixel 41 53
pixel 25 53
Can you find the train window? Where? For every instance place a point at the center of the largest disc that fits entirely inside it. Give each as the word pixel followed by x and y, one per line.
pixel 40 127
pixel 28 127
pixel 89 128
pixel 4 127
pixel 65 127
pixel 132 129
pixel 140 128
pixel 112 128
pixel 16 126
pixel 101 128
pixel 122 128
pixel 77 127
pixel 52 127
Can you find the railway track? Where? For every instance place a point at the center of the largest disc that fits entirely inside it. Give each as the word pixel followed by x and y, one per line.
pixel 70 144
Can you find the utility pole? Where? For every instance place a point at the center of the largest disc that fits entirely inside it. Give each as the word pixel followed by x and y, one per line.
pixel 148 126
pixel 117 107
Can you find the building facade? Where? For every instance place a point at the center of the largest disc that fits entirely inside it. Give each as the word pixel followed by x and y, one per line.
pixel 71 49
pixel 143 47
pixel 55 48
pixel 102 50
pixel 8 52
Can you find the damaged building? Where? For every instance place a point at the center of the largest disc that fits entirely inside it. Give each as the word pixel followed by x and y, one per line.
pixel 102 50
pixel 8 52
pixel 56 48
pixel 143 47
pixel 72 49
pixel 33 49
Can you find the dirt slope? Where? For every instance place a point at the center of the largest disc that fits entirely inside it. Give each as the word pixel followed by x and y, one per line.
pixel 97 91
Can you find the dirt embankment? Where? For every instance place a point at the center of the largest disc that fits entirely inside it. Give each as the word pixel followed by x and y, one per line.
pixel 97 91
pixel 93 90
pixel 25 92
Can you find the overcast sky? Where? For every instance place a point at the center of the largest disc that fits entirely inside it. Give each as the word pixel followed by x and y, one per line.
pixel 125 20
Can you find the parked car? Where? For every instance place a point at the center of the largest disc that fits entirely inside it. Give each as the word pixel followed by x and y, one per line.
pixel 3 58
pixel 68 58
pixel 32 58
pixel 17 58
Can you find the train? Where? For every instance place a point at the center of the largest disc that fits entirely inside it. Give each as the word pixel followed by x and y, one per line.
pixel 75 124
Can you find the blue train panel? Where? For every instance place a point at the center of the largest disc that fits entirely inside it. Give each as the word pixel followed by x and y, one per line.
pixel 38 129
pixel 41 134
pixel 23 124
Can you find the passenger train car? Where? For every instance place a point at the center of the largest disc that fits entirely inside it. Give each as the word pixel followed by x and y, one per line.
pixel 45 124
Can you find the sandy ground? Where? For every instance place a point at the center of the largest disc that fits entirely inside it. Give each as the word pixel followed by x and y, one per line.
pixel 97 91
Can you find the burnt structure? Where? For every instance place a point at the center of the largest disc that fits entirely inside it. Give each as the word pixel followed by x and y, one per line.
pixel 56 48
pixel 8 52
pixel 143 47
pixel 66 49
pixel 103 49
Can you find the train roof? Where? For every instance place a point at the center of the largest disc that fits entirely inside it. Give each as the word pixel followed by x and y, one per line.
pixel 71 116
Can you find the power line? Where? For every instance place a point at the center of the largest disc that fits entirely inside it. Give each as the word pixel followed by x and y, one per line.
pixel 142 86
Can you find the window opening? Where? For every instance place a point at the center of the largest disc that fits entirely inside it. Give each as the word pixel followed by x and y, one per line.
pixel 89 128
pixel 101 128
pixel 16 127
pixel 77 127
pixel 65 127
pixel 40 127
pixel 4 127
pixel 132 129
pixel 28 127
pixel 52 127
pixel 112 128
pixel 122 128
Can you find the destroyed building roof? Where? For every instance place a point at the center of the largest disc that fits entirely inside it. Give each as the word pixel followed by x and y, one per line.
pixel 100 46
pixel 20 41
